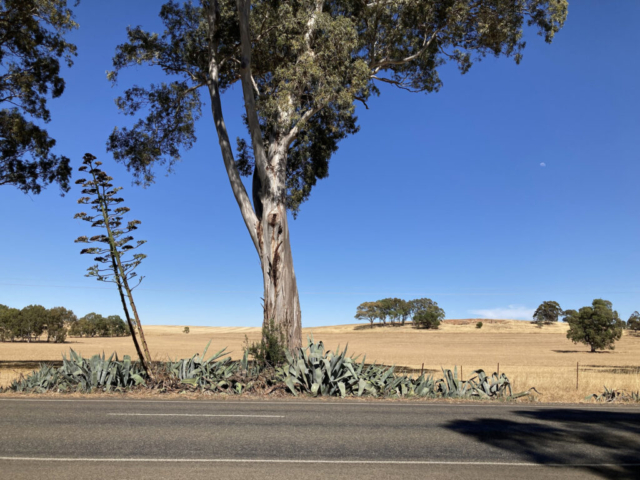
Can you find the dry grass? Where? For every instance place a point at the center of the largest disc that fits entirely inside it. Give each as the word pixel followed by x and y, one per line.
pixel 530 356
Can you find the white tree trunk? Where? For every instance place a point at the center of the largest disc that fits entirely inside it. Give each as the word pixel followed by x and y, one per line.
pixel 281 302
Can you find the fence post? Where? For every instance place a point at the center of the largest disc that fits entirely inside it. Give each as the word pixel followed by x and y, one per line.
pixel 422 369
pixel 577 374
pixel 461 377
pixel 498 369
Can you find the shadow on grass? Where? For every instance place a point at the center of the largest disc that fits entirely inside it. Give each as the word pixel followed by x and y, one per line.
pixel 578 351
pixel 604 443
pixel 382 325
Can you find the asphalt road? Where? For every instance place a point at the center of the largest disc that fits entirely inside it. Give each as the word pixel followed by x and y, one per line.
pixel 87 439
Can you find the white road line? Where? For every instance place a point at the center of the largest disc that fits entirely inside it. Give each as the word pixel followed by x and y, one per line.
pixel 337 462
pixel 350 403
pixel 188 415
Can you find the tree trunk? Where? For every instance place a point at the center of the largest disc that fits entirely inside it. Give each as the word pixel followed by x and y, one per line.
pixel 281 302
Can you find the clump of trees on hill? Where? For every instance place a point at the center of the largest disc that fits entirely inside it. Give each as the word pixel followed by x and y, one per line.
pixel 423 312
pixel 37 323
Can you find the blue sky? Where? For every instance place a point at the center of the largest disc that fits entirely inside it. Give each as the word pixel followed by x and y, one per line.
pixel 512 185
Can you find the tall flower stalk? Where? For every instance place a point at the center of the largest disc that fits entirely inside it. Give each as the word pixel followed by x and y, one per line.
pixel 114 264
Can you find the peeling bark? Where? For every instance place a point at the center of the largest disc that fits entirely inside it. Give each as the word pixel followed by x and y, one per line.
pixel 281 302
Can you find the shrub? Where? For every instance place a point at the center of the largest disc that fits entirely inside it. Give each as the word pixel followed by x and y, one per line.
pixel 479 325
pixel 271 349
pixel 185 330
pixel 597 326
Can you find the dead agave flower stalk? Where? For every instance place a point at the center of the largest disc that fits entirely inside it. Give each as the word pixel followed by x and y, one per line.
pixel 111 250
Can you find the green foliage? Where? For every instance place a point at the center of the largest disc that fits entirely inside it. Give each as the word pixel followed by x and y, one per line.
pixel 308 370
pixel 309 67
pixel 633 324
pixel 316 372
pixel 479 325
pixel 270 352
pixel 32 45
pixel 547 313
pixel 31 323
pixel 80 375
pixel 370 311
pixel 597 326
pixel 95 325
pixel 185 330
pixel 214 373
pixel 425 310
pixel 426 314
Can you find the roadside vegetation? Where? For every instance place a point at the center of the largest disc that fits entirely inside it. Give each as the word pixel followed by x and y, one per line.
pixel 309 371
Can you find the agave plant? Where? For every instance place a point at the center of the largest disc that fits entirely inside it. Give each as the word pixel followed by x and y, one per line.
pixel 612 395
pixel 82 375
pixel 213 373
pixel 314 371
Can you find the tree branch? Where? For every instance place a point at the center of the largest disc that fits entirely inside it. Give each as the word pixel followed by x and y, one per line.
pixel 240 193
pixel 400 61
pixel 244 7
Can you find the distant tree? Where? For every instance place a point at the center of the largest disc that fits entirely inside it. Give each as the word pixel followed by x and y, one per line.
pixel 57 324
pixel 633 324
pixel 117 326
pixel 185 330
pixel 547 313
pixel 368 311
pixel 8 323
pixel 427 314
pixel 479 325
pixel 113 265
pixel 303 65
pixel 32 45
pixel 597 326
pixel 33 321
pixel 393 309
pixel 403 310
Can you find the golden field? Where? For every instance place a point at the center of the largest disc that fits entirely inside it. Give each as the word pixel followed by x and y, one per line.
pixel 530 356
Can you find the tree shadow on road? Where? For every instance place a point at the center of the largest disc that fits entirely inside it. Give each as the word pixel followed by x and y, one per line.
pixel 605 443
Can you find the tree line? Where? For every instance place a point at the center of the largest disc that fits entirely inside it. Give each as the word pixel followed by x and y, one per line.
pixel 423 312
pixel 37 323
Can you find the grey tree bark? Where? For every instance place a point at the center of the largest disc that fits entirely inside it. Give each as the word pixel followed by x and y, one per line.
pixel 269 229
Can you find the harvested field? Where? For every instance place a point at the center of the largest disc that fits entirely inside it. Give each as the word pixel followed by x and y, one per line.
pixel 529 355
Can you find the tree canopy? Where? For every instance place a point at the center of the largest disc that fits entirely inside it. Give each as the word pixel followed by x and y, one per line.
pixel 547 313
pixel 597 326
pixel 311 62
pixel 633 324
pixel 32 45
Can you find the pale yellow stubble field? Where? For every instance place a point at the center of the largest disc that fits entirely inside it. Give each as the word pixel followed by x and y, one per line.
pixel 530 356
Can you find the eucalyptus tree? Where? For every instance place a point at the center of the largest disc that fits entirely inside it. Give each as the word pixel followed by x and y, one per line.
pixel 598 326
pixel 113 263
pixel 633 324
pixel 368 311
pixel 32 45
pixel 303 65
pixel 547 313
